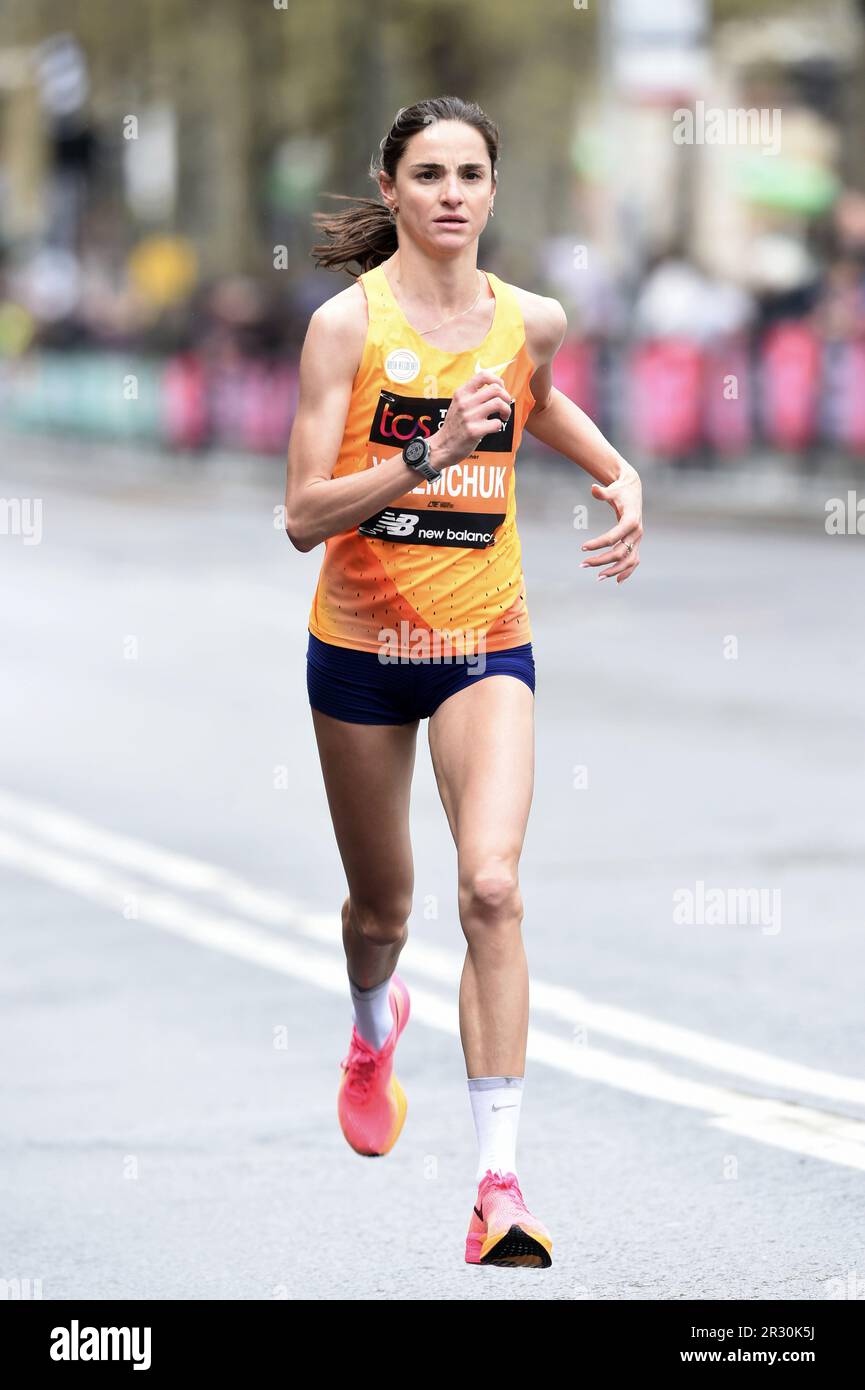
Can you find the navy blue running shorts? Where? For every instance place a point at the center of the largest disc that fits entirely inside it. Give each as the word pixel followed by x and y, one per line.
pixel 357 687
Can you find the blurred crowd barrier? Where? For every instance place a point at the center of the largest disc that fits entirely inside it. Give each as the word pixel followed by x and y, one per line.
pixel 791 389
pixel 675 399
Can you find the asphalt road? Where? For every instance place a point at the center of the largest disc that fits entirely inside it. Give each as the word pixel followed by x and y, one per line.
pixel 174 1000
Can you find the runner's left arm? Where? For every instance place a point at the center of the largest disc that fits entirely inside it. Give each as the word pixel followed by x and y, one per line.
pixel 559 422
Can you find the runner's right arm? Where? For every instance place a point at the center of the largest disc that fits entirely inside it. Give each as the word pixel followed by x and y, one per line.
pixel 318 505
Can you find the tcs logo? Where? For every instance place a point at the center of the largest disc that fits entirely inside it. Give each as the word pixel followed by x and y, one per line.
pixel 400 419
pixel 404 426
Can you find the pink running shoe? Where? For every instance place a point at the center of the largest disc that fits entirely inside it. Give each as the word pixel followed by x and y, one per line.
pixel 502 1230
pixel 371 1103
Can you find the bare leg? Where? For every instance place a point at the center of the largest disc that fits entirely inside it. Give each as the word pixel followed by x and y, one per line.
pixel 482 746
pixel 367 771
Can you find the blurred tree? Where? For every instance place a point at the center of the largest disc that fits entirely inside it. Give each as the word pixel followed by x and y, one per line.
pixel 248 80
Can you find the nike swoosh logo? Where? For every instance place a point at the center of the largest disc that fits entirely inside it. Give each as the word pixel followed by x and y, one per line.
pixel 505 1107
pixel 479 1214
pixel 497 368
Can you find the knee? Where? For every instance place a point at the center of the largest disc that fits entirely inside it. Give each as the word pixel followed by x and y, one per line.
pixel 382 920
pixel 489 895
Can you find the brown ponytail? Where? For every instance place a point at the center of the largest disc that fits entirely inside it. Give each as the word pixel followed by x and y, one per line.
pixel 366 231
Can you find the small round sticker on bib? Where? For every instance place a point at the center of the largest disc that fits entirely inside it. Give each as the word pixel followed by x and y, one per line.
pixel 402 364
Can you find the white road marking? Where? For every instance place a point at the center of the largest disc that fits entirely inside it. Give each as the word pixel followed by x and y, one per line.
pixel 438 965
pixel 782 1124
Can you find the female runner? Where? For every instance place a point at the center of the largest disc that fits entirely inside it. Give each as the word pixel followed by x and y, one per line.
pixel 416 383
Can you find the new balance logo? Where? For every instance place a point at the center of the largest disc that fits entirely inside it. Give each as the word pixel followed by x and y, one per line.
pixel 398 523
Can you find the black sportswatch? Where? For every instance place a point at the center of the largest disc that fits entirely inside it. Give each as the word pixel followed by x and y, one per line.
pixel 417 455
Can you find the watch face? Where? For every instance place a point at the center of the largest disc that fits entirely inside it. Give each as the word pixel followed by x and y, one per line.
pixel 415 451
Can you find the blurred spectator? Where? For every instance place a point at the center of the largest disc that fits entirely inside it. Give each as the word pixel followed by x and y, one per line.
pixel 840 308
pixel 678 300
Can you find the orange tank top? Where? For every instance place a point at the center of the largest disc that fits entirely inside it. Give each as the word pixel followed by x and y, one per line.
pixel 445 557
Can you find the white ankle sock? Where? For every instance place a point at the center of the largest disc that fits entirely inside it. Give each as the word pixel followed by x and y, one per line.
pixel 372 1012
pixel 495 1102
